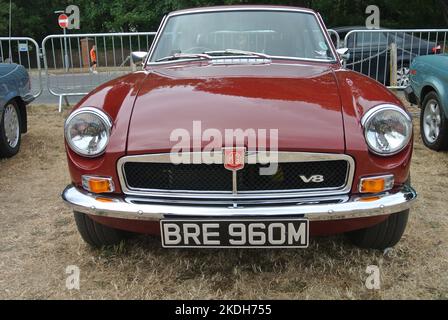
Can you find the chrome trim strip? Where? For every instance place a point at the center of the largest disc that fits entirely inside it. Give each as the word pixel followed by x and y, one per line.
pixel 86 178
pixel 251 158
pixel 388 177
pixel 235 183
pixel 236 8
pixel 356 207
pixel 238 203
pixel 156 40
pixel 382 107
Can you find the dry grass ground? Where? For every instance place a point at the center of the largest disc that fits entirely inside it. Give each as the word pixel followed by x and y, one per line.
pixel 38 240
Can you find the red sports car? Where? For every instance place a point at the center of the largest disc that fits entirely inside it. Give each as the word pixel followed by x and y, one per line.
pixel 241 131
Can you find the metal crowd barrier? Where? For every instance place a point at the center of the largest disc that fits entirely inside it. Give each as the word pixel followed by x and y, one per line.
pixel 335 38
pixel 26 52
pixel 386 55
pixel 68 63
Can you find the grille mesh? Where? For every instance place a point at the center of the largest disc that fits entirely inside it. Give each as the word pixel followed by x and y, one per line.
pixel 210 178
pixel 289 176
pixel 165 176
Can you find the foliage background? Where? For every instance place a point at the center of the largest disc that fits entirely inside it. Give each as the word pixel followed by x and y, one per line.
pixel 37 19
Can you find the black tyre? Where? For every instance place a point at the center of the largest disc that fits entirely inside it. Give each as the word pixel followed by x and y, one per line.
pixel 434 123
pixel 98 235
pixel 10 130
pixel 382 236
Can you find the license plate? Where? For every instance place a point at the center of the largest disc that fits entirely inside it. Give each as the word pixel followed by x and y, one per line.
pixel 235 233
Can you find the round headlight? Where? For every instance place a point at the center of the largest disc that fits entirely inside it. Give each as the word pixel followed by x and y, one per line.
pixel 387 129
pixel 87 132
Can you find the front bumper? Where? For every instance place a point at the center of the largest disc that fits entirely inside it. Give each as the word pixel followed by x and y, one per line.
pixel 315 209
pixel 28 99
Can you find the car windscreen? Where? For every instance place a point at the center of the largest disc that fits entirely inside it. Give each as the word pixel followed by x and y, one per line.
pixel 274 33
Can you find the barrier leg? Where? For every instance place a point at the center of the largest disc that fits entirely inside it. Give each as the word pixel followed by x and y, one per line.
pixel 65 98
pixel 393 65
pixel 66 101
pixel 60 104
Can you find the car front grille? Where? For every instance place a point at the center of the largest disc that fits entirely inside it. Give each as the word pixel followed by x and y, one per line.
pixel 140 175
pixel 166 176
pixel 202 177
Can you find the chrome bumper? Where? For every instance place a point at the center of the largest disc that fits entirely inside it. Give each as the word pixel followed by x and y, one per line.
pixel 315 209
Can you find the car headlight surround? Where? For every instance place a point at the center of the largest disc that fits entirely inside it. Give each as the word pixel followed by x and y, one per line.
pixel 87 132
pixel 387 129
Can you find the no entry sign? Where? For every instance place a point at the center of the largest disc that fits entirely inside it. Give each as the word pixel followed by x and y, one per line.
pixel 63 21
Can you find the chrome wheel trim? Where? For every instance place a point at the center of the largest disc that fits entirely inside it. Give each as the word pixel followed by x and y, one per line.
pixel 11 126
pixel 403 77
pixel 432 121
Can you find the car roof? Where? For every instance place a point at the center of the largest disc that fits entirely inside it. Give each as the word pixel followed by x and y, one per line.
pixel 240 7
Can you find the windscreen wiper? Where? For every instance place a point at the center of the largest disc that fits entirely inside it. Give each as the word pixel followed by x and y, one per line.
pixel 237 52
pixel 179 56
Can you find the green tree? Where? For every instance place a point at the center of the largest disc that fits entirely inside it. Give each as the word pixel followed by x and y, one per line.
pixel 37 19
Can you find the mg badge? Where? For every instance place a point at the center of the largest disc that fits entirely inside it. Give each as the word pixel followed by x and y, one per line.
pixel 234 158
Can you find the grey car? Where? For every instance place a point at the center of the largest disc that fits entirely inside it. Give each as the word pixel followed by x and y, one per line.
pixel 15 95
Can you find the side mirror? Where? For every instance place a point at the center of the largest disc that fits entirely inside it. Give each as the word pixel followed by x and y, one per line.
pixel 138 57
pixel 344 53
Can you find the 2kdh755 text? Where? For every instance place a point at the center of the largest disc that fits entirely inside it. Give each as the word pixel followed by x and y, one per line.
pixel 245 310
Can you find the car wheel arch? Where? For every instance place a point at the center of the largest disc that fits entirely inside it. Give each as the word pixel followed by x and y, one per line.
pixel 425 90
pixel 434 83
pixel 23 114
